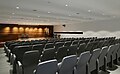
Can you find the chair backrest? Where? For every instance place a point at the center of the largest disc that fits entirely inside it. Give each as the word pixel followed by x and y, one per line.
pixel 12 46
pixel 58 44
pixel 89 46
pixel 20 50
pixel 30 61
pixel 102 56
pixel 67 65
pixel 81 48
pixel 72 50
pixel 38 47
pixel 30 58
pixel 61 52
pixel 26 43
pixel 109 52
pixel 47 67
pixel 93 59
pixel 35 42
pixel 49 45
pixel 115 51
pixel 82 63
pixel 67 43
pixel 48 54
pixel 100 44
pixel 75 42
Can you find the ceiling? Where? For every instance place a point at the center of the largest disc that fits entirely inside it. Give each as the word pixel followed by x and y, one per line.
pixel 56 12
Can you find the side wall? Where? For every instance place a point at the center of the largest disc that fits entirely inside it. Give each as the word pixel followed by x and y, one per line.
pixel 96 28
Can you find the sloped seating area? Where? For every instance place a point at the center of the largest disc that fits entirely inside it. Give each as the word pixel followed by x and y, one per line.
pixel 64 56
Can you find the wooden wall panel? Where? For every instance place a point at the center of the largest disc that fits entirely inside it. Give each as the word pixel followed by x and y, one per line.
pixel 14 31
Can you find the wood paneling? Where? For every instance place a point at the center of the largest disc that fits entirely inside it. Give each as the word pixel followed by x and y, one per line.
pixel 14 31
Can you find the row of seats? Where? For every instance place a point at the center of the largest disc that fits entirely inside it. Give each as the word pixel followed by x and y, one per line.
pixel 87 63
pixel 85 45
pixel 19 50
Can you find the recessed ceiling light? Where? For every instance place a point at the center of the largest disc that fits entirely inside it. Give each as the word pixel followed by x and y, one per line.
pixel 17 7
pixel 38 16
pixel 49 12
pixel 66 5
pixel 89 10
pixel 77 13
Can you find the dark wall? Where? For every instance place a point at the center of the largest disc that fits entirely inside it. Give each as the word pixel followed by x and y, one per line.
pixel 15 31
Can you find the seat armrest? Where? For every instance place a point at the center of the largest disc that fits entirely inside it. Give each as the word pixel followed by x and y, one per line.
pixel 19 63
pixel 74 71
pixel 87 68
pixel 34 72
pixel 12 59
pixel 19 68
pixel 97 65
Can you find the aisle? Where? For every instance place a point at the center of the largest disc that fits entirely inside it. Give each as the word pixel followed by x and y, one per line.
pixel 4 65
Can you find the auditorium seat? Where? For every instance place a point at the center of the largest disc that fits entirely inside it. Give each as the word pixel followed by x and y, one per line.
pixel 18 53
pixel 38 47
pixel 102 60
pixel 89 46
pixel 75 42
pixel 118 55
pixel 58 44
pixel 29 62
pixel 11 49
pixel 72 50
pixel 47 67
pixel 82 63
pixel 67 65
pixel 48 54
pixel 109 57
pixel 67 43
pixel 61 53
pixel 81 48
pixel 49 45
pixel 114 54
pixel 93 62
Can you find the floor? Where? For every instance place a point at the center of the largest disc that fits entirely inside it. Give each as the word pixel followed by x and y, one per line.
pixel 5 66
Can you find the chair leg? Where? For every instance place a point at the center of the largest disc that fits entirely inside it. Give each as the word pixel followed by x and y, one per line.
pixel 117 60
pixel 104 67
pixel 111 65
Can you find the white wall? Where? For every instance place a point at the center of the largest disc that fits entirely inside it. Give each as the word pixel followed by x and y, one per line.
pixel 96 28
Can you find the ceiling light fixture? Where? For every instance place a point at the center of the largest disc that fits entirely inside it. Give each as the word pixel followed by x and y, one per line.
pixel 17 7
pixel 66 5
pixel 49 12
pixel 38 16
pixel 89 10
